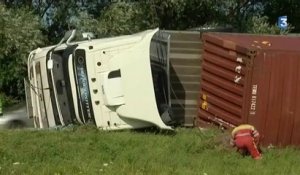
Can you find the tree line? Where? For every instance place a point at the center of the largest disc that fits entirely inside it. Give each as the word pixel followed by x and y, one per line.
pixel 28 24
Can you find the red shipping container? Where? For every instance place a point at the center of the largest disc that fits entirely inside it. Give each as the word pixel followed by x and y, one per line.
pixel 252 79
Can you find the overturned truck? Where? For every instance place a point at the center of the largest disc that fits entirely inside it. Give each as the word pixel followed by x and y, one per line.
pixel 115 83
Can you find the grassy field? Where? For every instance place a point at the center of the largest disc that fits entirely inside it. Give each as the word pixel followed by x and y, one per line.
pixel 86 150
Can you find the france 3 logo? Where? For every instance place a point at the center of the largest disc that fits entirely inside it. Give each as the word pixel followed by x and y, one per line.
pixel 282 22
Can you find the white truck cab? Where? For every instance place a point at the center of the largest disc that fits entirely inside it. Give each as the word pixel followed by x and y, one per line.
pixel 115 83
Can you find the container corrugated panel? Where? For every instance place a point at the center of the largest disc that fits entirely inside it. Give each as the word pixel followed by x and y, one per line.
pixel 252 79
pixel 185 67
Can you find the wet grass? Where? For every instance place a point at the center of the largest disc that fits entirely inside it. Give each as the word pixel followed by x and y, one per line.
pixel 86 150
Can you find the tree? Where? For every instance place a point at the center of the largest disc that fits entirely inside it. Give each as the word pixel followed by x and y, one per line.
pixel 275 8
pixel 126 18
pixel 19 34
pixel 56 16
pixel 130 17
pixel 27 24
pixel 261 25
pixel 182 14
pixel 118 19
pixel 239 13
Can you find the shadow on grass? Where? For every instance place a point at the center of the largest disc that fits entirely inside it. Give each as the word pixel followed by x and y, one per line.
pixel 155 130
pixel 92 128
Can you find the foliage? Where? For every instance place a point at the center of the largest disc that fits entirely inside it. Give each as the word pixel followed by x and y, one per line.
pixel 25 25
pixel 19 33
pixel 123 18
pixel 182 14
pixel 58 16
pixel 7 101
pixel 86 23
pixel 239 13
pixel 290 8
pixel 118 18
pixel 86 150
pixel 260 25
pixel 126 18
pixel 130 17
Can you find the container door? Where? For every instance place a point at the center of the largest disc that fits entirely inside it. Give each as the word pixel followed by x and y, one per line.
pixel 224 81
pixel 274 97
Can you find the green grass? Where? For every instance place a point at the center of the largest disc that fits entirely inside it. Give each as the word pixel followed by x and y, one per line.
pixel 85 150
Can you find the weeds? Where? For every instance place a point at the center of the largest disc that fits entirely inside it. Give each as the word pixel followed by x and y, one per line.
pixel 86 150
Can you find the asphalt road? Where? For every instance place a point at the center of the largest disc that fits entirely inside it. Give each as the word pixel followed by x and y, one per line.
pixel 15 117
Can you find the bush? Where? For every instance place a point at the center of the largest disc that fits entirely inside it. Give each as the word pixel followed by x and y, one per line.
pixel 19 34
pixel 260 25
pixel 117 19
pixel 7 101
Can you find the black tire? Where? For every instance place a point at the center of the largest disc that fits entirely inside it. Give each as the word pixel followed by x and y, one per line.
pixel 16 124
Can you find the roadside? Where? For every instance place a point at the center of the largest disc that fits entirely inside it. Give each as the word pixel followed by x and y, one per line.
pixel 15 116
pixel 86 150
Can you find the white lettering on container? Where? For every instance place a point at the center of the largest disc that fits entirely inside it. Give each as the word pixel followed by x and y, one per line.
pixel 253 100
pixel 237 79
pixel 239 60
pixel 238 69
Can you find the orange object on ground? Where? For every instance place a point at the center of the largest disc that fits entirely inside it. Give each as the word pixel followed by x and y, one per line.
pixel 246 139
